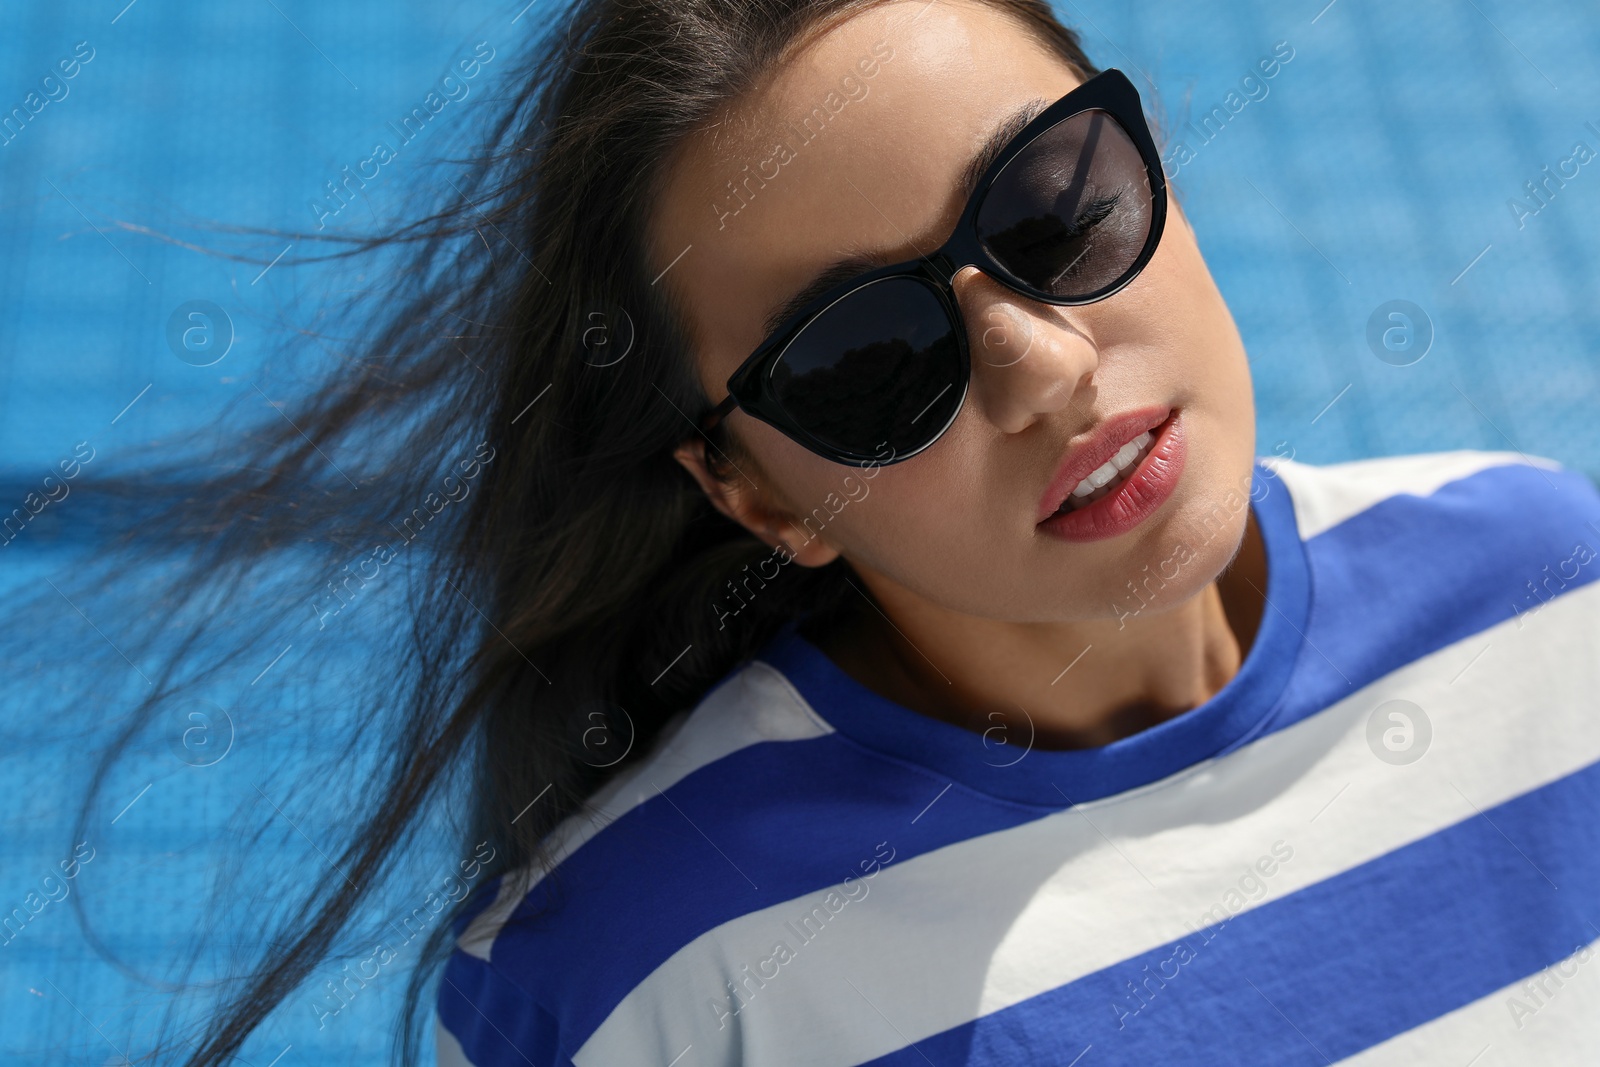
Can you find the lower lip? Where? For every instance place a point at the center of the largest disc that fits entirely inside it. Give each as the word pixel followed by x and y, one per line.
pixel 1135 498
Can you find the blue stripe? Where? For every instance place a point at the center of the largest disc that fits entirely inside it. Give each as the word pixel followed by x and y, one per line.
pixel 1416 574
pixel 497 1024
pixel 764 825
pixel 1336 967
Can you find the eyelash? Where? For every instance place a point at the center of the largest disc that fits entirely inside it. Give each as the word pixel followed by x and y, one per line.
pixel 1095 212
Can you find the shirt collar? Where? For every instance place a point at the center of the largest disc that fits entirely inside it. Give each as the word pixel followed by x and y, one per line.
pixel 1005 767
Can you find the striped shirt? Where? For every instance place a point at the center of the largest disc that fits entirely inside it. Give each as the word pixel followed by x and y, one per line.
pixel 1379 843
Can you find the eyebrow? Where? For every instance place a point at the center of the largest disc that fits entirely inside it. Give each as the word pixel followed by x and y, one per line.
pixel 842 270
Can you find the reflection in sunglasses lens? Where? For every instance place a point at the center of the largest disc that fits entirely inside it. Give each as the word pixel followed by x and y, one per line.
pixel 879 366
pixel 1071 212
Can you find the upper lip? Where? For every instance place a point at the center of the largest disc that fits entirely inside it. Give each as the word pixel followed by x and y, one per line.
pixel 1099 445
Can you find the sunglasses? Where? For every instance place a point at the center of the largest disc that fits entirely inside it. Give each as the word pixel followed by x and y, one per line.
pixel 1069 212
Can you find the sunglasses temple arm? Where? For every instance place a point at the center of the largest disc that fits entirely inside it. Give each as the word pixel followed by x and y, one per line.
pixel 718 413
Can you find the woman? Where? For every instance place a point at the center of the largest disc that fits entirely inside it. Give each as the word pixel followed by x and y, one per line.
pixel 873 637
pixel 1079 767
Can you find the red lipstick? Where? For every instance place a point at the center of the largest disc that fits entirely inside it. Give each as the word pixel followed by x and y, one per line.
pixel 1139 490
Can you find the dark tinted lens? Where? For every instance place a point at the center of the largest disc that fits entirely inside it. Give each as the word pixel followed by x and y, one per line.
pixel 1071 212
pixel 879 367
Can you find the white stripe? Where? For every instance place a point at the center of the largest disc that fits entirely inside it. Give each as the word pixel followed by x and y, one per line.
pixel 996 919
pixel 1551 1019
pixel 1325 496
pixel 446 1048
pixel 754 705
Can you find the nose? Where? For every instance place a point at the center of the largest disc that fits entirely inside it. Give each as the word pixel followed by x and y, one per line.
pixel 1028 360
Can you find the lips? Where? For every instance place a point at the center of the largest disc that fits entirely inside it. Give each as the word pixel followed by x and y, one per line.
pixel 1138 490
pixel 1094 453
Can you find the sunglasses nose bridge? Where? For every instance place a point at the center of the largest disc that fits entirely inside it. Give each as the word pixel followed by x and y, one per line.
pixel 961 252
pixel 944 266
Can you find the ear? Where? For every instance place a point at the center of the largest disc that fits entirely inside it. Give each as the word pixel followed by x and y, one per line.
pixel 743 502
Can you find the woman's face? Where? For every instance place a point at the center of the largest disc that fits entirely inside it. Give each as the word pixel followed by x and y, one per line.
pixel 958 525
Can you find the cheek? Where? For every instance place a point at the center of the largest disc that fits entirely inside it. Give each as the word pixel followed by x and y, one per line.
pixel 929 523
pixel 1188 345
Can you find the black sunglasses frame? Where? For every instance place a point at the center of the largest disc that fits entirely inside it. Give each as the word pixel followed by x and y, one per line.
pixel 749 387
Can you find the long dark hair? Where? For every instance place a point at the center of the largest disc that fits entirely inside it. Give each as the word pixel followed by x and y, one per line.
pixel 513 408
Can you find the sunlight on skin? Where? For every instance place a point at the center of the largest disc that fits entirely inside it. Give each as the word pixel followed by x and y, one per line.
pixel 987 609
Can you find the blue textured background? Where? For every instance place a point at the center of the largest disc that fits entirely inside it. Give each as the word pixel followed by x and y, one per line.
pixel 1379 167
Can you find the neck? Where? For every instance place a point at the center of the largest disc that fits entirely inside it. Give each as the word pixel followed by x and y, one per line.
pixel 1068 685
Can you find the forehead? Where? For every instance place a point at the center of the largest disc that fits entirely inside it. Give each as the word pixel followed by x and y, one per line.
pixel 854 145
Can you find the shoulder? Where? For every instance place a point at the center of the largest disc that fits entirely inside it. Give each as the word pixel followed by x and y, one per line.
pixel 1410 556
pixel 661 854
pixel 1522 492
pixel 753 717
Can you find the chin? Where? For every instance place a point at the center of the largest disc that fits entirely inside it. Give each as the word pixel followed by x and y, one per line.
pixel 1189 551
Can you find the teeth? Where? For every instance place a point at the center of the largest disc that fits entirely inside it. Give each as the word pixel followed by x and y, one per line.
pixel 1106 473
pixel 1126 453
